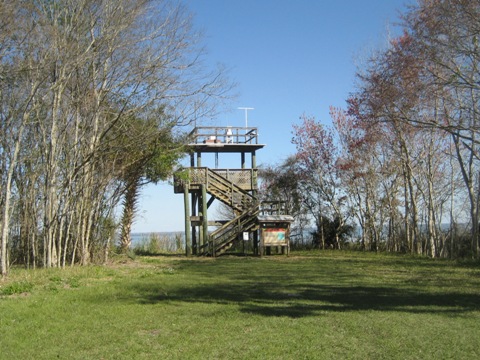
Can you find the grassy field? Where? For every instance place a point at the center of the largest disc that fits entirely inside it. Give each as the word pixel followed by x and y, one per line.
pixel 322 305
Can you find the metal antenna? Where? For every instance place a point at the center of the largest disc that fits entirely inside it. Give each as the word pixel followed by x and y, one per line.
pixel 246 114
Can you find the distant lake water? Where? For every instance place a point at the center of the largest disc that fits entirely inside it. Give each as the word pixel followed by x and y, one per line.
pixel 168 241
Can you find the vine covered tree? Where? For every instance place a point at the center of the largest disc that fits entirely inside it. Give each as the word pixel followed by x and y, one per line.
pixel 77 79
pixel 152 162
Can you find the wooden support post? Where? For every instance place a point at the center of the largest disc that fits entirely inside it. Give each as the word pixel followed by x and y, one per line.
pixel 288 239
pixel 188 238
pixel 200 213
pixel 201 240
pixel 210 201
pixel 254 174
pixel 204 216
pixel 256 243
pixel 199 159
pixel 194 227
pixel 261 246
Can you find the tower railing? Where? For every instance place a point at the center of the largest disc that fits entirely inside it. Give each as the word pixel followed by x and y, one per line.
pixel 197 176
pixel 224 135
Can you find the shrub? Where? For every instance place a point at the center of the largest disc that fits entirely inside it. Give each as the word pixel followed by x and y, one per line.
pixel 18 287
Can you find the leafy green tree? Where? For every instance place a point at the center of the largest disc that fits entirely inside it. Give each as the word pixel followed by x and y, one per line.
pixel 280 184
pixel 334 231
pixel 151 154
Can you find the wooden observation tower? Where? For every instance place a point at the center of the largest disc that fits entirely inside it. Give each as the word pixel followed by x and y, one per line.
pixel 237 188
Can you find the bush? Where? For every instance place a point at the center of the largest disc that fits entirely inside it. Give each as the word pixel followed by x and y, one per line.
pixel 18 287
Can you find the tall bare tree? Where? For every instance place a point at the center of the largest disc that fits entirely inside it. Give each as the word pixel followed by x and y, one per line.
pixel 73 76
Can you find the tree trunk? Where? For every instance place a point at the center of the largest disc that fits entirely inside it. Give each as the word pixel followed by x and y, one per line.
pixel 129 208
pixel 468 177
pixel 5 225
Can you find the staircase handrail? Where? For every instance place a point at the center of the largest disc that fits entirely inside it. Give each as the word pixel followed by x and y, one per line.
pixel 228 232
pixel 252 211
pixel 213 175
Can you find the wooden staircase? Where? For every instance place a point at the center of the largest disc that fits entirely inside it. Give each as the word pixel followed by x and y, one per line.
pixel 228 192
pixel 246 209
pixel 224 237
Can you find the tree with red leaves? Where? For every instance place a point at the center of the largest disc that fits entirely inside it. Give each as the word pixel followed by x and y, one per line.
pixel 446 34
pixel 317 156
pixel 413 94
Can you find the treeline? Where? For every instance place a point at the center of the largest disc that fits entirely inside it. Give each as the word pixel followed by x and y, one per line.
pixel 93 97
pixel 401 161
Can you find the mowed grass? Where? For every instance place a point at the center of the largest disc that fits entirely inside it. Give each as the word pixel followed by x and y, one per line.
pixel 322 305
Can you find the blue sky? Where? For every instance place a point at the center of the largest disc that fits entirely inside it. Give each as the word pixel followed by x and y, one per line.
pixel 288 57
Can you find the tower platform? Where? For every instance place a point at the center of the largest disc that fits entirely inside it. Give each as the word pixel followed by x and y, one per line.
pixel 227 139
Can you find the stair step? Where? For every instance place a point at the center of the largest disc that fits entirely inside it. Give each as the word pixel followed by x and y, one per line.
pixel 240 201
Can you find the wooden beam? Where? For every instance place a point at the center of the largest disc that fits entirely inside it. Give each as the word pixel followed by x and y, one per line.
pixel 204 214
pixel 188 237
pixel 210 201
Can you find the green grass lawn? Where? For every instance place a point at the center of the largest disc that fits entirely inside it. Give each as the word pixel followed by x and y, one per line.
pixel 322 305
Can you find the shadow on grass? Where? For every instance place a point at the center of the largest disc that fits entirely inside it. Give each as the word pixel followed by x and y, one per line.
pixel 311 287
pixel 146 253
pixel 302 300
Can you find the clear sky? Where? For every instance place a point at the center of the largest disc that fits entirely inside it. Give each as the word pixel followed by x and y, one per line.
pixel 288 57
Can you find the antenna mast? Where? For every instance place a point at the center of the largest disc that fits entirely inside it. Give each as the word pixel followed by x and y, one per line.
pixel 246 114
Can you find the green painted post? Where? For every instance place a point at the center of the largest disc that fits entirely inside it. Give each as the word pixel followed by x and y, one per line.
pixel 200 214
pixel 199 159
pixel 201 240
pixel 254 175
pixel 257 245
pixel 194 228
pixel 194 210
pixel 204 215
pixel 188 237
